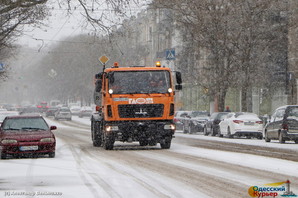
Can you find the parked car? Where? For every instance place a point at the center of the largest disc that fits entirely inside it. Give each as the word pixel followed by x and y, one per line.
pixel 63 113
pixel 241 124
pixel 51 111
pixel 4 114
pixel 20 135
pixel 85 112
pixel 212 124
pixel 283 125
pixel 179 117
pixel 195 122
pixel 75 110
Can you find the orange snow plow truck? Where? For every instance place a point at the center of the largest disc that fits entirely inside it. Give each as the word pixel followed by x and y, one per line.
pixel 134 104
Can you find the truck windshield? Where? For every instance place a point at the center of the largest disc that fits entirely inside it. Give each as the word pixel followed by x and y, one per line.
pixel 133 82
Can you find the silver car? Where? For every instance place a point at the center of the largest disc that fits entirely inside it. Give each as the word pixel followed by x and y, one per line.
pixel 63 113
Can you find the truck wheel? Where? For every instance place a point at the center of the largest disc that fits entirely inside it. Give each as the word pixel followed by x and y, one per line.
pixel 143 142
pixel 96 134
pixel 166 143
pixel 108 142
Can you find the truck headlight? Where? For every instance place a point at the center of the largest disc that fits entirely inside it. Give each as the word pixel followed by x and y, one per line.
pixel 112 128
pixel 170 126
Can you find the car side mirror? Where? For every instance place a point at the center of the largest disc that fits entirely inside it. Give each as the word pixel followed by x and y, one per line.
pixel 53 127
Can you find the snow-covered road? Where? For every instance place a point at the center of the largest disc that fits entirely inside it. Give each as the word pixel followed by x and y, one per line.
pixel 185 170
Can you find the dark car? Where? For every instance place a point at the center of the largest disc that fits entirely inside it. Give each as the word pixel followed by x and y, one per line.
pixel 51 111
pixel 195 122
pixel 212 124
pixel 179 117
pixel 283 125
pixel 23 135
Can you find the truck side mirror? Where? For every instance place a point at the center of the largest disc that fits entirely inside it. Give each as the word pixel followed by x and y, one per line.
pixel 178 87
pixel 98 85
pixel 178 78
pixel 98 76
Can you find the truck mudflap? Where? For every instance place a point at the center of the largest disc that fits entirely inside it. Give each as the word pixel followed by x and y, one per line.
pixel 145 132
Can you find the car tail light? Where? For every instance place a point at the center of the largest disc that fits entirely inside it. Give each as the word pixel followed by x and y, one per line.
pixel 285 126
pixel 237 121
pixel 259 122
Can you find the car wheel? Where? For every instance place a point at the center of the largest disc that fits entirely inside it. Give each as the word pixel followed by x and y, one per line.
pixel 296 141
pixel 281 138
pixel 267 139
pixel 184 129
pixel 219 133
pixel 3 156
pixel 190 129
pixel 229 133
pixel 52 155
pixel 205 131
pixel 213 132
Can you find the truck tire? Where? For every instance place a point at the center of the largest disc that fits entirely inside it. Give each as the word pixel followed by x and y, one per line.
pixel 108 142
pixel 143 142
pixel 96 134
pixel 166 143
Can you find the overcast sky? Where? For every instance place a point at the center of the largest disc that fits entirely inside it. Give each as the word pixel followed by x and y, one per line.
pixel 61 25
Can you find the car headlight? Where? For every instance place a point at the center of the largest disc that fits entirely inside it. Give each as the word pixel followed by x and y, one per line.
pixel 47 140
pixel 9 141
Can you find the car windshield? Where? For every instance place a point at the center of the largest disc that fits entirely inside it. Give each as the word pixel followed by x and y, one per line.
pixel 199 114
pixel 292 113
pixel 131 82
pixel 25 124
pixel 64 110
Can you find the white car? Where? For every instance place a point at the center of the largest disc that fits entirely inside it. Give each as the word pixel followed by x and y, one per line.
pixel 75 110
pixel 3 114
pixel 241 124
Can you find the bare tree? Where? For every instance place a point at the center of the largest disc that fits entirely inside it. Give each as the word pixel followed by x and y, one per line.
pixel 236 36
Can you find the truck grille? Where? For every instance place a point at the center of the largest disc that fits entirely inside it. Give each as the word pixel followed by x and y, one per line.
pixel 140 110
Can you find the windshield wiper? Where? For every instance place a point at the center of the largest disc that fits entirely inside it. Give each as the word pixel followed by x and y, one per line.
pixel 14 129
pixel 31 128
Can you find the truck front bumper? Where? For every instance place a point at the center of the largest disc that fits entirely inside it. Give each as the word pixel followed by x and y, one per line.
pixel 140 130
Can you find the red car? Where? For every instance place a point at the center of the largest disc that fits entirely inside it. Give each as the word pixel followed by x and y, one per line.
pixel 20 135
